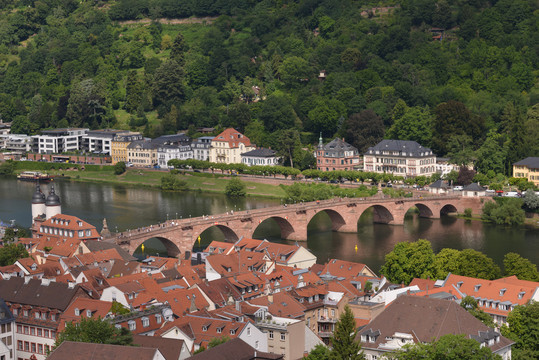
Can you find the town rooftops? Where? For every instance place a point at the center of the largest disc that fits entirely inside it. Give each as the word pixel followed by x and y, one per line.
pixel 235 349
pixel 143 144
pixel 339 145
pixel 439 184
pixel 530 162
pixel 402 147
pixel 260 152
pixel 171 349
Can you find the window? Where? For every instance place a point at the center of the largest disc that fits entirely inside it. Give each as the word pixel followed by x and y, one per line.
pixel 256 344
pixel 19 329
pixel 249 331
pixel 40 348
pixel 19 345
pixel 145 322
pixel 26 330
pixel 46 333
pixel 204 328
pixel 36 314
pixel 34 348
pixel 283 336
pixel 219 330
pixel 77 312
pixel 32 331
pixel 158 318
pixel 39 332
pixel 132 325
pixel 270 334
pixel 26 346
pixel 47 349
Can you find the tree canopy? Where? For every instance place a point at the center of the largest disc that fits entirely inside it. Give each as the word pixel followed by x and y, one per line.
pixel 97 331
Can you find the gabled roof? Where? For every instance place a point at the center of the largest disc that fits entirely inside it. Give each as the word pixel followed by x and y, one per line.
pixel 411 148
pixel 530 162
pixel 426 319
pixel 260 152
pixel 473 187
pixel 219 291
pixel 97 308
pixel 235 349
pixel 338 145
pixel 71 350
pixel 439 184
pixel 169 348
pixel 104 245
pixel 233 138
pixel 281 304
pixel 346 269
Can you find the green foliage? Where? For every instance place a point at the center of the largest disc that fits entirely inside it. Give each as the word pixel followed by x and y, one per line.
pixel 96 331
pixel 522 268
pixel 343 342
pixel 531 201
pixel 468 213
pixel 118 309
pixel 7 167
pixel 218 341
pixel 506 211
pixel 409 260
pixel 523 328
pixel 301 192
pixel 320 352
pixel 173 183
pixel 467 262
pixel 119 168
pixel 10 253
pixel 235 188
pixel 447 347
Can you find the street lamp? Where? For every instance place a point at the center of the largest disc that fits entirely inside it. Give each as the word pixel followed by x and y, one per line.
pixel 167 216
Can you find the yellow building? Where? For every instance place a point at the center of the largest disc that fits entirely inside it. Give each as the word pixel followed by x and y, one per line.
pixel 527 168
pixel 142 153
pixel 228 146
pixel 118 148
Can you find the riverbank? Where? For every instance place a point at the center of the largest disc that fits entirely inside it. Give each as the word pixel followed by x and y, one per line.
pixel 205 182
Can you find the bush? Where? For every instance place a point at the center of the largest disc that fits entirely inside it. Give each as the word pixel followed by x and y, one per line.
pixel 119 168
pixel 172 183
pixel 468 213
pixel 504 211
pixel 235 188
pixel 7 168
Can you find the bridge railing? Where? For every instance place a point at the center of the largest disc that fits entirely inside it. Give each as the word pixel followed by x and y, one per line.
pixel 219 219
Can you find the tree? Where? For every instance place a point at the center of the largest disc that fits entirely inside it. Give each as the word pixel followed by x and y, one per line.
pixel 86 103
pixel 447 261
pixel 465 176
pixel 173 183
pixel 133 90
pixel 531 200
pixel 413 123
pixel 10 253
pixel 491 155
pixel 178 50
pixel 169 84
pixel 523 328
pixel 364 129
pixel 522 268
pixel 409 260
pixel 470 304
pixel 460 150
pixel 277 113
pixel 288 144
pixel 504 211
pixel 473 263
pixel 295 70
pixel 235 188
pixel 119 168
pixel 343 341
pixel 320 352
pixel 95 331
pixel 447 347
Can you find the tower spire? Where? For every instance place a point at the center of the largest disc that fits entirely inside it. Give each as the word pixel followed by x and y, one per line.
pixel 320 140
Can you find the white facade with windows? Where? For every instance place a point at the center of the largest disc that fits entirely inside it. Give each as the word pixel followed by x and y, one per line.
pixel 169 152
pixel 58 141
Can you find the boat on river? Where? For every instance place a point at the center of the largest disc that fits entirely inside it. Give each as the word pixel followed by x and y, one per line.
pixel 34 176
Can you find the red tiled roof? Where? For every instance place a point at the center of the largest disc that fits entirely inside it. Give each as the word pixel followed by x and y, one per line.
pixel 283 305
pixel 98 309
pixel 233 138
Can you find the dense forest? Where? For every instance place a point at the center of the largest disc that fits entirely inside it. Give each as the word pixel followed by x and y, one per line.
pixel 459 76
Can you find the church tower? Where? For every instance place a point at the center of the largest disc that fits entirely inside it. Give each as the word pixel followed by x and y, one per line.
pixel 38 203
pixel 53 206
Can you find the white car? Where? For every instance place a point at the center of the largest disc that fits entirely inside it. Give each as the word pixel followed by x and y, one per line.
pixel 458 188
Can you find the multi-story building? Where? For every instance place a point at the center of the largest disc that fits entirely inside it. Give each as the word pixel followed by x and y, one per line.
pixel 100 141
pixel 169 152
pixel 119 145
pixel 400 157
pixel 20 143
pixel 201 148
pixel 261 157
pixel 285 336
pixel 58 140
pixel 228 146
pixel 527 168
pixel 5 128
pixel 37 306
pixel 142 153
pixel 7 332
pixel 337 155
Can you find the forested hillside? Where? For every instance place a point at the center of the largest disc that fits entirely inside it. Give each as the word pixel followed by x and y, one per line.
pixel 459 76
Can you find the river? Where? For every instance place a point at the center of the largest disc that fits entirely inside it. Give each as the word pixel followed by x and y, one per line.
pixel 128 207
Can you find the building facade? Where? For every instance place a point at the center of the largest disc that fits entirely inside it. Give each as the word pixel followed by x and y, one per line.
pixel 228 146
pixel 401 158
pixel 142 153
pixel 260 157
pixel 119 145
pixel 528 169
pixel 58 140
pixel 100 141
pixel 7 332
pixel 169 152
pixel 337 155
pixel 285 336
pixel 201 148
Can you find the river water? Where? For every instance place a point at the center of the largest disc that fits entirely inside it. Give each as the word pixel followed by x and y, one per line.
pixel 128 207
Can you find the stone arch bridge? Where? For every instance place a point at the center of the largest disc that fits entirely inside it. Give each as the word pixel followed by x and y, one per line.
pixel 180 235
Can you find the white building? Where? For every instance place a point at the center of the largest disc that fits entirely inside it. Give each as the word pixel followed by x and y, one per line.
pixel 7 332
pixel 261 157
pixel 100 141
pixel 400 157
pixel 169 152
pixel 228 146
pixel 19 142
pixel 201 148
pixel 59 140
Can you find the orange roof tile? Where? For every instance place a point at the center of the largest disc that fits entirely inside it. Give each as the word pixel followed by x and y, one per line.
pixel 233 138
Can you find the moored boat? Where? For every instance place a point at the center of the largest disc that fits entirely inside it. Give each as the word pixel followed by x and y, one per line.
pixel 34 176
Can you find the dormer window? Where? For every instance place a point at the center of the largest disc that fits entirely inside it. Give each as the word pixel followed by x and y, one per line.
pixel 145 322
pixel 459 284
pixel 88 313
pixel 158 318
pixel 132 325
pixel 477 287
pixel 233 332
pixel 502 291
pixel 521 294
pixel 204 328
pixel 77 312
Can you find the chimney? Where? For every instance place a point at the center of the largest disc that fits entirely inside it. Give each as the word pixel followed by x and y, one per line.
pixel 45 282
pixel 70 285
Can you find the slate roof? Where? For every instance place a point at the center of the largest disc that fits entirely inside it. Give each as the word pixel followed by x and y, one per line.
pixel 54 296
pixel 71 350
pixel 143 144
pixel 473 187
pixel 439 184
pixel 339 146
pixel 530 162
pixel 261 152
pixel 411 148
pixel 427 319
pixel 235 349
pixel 6 315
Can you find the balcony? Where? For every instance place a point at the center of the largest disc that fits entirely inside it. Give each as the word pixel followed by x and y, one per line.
pixel 325 319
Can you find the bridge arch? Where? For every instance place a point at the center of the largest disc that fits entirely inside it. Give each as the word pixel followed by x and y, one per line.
pixel 337 220
pixel 425 211
pixel 448 208
pixel 381 214
pixel 229 234
pixel 285 226
pixel 171 248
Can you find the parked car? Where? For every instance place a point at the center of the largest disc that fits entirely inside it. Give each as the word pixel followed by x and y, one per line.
pixel 513 194
pixel 458 188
